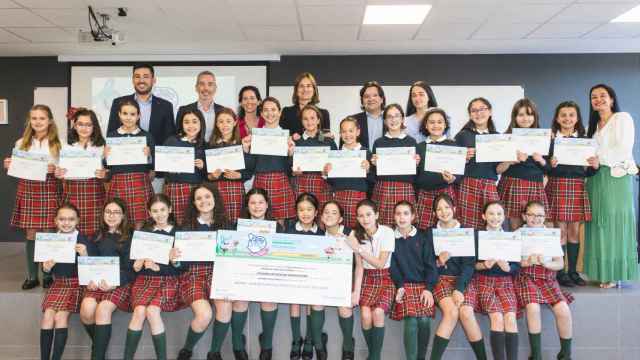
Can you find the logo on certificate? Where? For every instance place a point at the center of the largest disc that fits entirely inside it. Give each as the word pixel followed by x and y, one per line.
pixel 257 245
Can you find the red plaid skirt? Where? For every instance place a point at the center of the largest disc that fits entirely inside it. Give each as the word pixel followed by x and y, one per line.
pixel 63 295
pixel 377 290
pixel 491 294
pixel 445 287
pixel 195 284
pixel 515 193
pixel 88 195
pixel 313 183
pixel 160 291
pixel 348 200
pixel 537 284
pixel 426 217
pixel 232 193
pixel 119 296
pixel 411 306
pixel 473 193
pixel 281 195
pixel 568 200
pixel 387 193
pixel 135 189
pixel 179 194
pixel 36 204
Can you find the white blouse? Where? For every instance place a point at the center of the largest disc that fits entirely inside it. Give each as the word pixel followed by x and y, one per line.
pixel 615 140
pixel 383 240
pixel 39 147
pixel 413 128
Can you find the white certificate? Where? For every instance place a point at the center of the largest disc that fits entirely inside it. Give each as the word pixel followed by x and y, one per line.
pixel 265 141
pixel 127 150
pixel 225 158
pixel 257 226
pixel 148 245
pixel 196 245
pixel 541 241
pixel 310 158
pixel 98 268
pixel 574 151
pixel 347 163
pixel 457 242
pixel 175 159
pixel 58 247
pixel 439 158
pixel 495 148
pixel 531 141
pixel 396 161
pixel 79 163
pixel 28 165
pixel 499 245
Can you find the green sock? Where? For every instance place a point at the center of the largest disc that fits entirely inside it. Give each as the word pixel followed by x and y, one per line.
pixel 295 328
pixel 479 349
pixel 219 333
pixel 192 339
pixel 268 319
pixel 46 341
pixel 377 340
pixel 131 344
pixel 160 345
pixel 424 335
pixel 439 346
pixel 101 341
pixel 32 266
pixel 316 325
pixel 346 325
pixel 536 346
pixel 59 343
pixel 366 333
pixel 511 345
pixel 565 348
pixel 410 337
pixel 572 256
pixel 308 338
pixel 90 329
pixel 238 319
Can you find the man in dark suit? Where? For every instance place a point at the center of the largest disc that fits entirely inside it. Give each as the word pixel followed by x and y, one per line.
pixel 372 101
pixel 206 88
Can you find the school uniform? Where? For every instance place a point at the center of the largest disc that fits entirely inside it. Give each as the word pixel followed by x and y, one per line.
pixel 209 116
pixel 378 290
pixel 371 128
pixel 313 182
pixel 478 186
pixel 430 184
pixel 156 116
pixel 536 284
pixel 520 183
pixel 131 183
pixel 455 274
pixel 348 192
pixel 390 189
pixel 291 119
pixel 414 128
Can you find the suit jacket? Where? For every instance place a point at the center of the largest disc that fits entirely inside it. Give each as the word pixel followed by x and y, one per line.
pixel 194 106
pixel 364 130
pixel 161 123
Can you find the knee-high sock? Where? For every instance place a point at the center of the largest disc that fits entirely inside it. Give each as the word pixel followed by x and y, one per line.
pixel 346 326
pixel 565 348
pixel 192 339
pixel 238 319
pixel 219 333
pixel 308 337
pixel 479 349
pixel 316 325
pixel 536 346
pixel 59 342
pixel 366 333
pixel 497 344
pixel 90 329
pixel 32 266
pixel 424 335
pixel 572 256
pixel 131 343
pixel 410 337
pixel 438 348
pixel 46 340
pixel 295 328
pixel 160 345
pixel 511 345
pixel 268 319
pixel 101 341
pixel 377 340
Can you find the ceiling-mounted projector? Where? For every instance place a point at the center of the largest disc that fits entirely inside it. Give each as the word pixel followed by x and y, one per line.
pixel 100 32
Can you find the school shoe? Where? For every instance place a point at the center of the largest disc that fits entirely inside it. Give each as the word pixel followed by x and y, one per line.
pixel 184 354
pixel 29 284
pixel 296 349
pixel 321 354
pixel 561 356
pixel 214 356
pixel 348 355
pixel 577 279
pixel 565 280
pixel 265 354
pixel 241 354
pixel 47 282
pixel 307 355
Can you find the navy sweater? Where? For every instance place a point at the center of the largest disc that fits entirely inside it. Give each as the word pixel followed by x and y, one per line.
pixel 198 174
pixel 414 261
pixel 290 228
pixel 120 169
pixel 385 142
pixel 107 245
pixel 467 138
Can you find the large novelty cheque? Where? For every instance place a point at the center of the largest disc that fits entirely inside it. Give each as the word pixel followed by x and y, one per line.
pixel 282 268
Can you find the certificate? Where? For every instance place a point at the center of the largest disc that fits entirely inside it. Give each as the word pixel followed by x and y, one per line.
pixel 196 245
pixel 531 141
pixel 439 158
pixel 257 226
pixel 58 247
pixel 347 163
pixel 282 268
pixel 175 159
pixel 127 150
pixel 148 245
pixel 499 245
pixel 28 165
pixel 574 151
pixel 79 163
pixel 396 161
pixel 225 158
pixel 457 242
pixel 265 141
pixel 541 241
pixel 98 268
pixel 495 148
pixel 310 158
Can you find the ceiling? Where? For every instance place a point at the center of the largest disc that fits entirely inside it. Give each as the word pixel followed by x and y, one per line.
pixel 292 27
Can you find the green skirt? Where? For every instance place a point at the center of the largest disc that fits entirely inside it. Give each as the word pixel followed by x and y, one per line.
pixel 611 252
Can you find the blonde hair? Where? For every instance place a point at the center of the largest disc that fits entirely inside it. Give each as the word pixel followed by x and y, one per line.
pixel 52 131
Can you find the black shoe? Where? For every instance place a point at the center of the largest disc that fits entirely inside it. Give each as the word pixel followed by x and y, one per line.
pixel 321 354
pixel 565 280
pixel 307 354
pixel 214 356
pixel 184 354
pixel 347 355
pixel 325 340
pixel 265 354
pixel 240 355
pixel 29 284
pixel 561 356
pixel 577 279
pixel 46 282
pixel 296 349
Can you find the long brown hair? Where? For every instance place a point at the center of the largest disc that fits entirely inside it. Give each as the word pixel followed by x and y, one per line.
pixel 159 198
pixel 579 127
pixel 191 213
pixel 216 136
pixel 305 75
pixel 360 232
pixel 470 125
pixel 530 106
pixel 245 214
pixel 52 131
pixel 96 138
pixel 124 229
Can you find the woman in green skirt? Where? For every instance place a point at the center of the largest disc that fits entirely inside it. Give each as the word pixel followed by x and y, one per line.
pixel 610 238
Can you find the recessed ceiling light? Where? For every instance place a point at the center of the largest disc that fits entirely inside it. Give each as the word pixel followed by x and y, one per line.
pixel 395 14
pixel 632 15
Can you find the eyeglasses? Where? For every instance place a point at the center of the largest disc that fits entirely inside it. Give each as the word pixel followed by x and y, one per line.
pixel 536 216
pixel 476 111
pixel 113 213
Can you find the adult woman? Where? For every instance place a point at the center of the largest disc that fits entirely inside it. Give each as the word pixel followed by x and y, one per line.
pixel 305 91
pixel 421 98
pixel 248 116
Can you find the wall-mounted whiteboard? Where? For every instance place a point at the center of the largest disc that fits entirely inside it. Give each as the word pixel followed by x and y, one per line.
pixel 57 99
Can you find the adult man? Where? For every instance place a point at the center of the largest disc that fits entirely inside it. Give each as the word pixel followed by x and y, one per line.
pixel 206 88
pixel 372 101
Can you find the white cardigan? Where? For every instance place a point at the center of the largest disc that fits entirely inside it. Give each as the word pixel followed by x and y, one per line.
pixel 615 140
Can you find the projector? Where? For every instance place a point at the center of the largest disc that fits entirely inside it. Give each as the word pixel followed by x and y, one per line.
pixel 114 37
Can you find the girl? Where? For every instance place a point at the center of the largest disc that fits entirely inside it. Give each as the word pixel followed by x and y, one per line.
pixel 522 181
pixel 191 129
pixel 156 286
pixel 312 182
pixel 101 300
pixel 435 126
pixel 132 183
pixel 390 189
pixel 332 218
pixel 414 273
pixel 36 201
pixel 204 213
pixel 305 92
pixel 374 243
pixel 568 199
pixel 536 284
pixel 271 172
pixel 86 194
pixel 350 191
pixel 63 297
pixel 248 114
pixel 491 292
pixel 478 186
pixel 229 182
pixel 421 99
